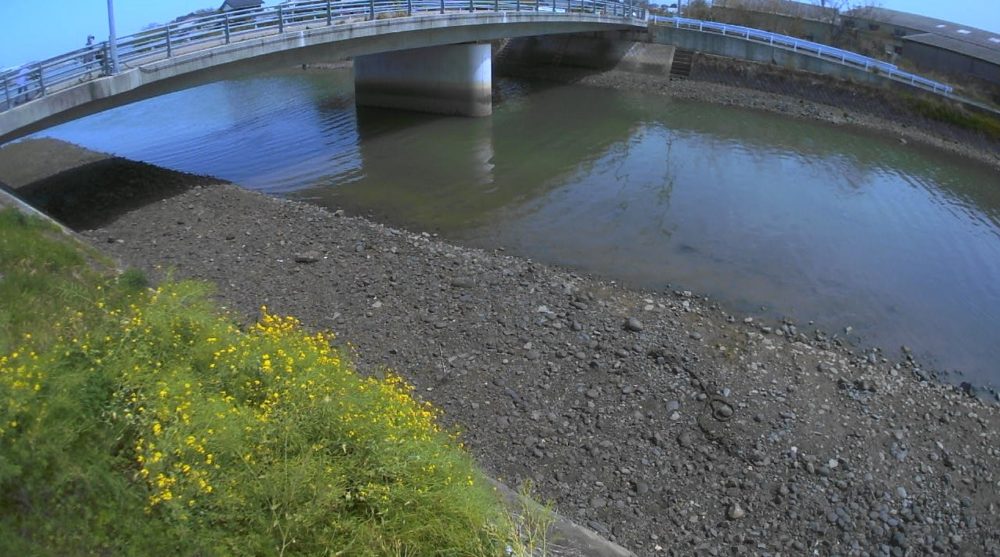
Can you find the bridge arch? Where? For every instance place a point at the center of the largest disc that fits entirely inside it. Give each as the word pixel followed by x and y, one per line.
pixel 305 44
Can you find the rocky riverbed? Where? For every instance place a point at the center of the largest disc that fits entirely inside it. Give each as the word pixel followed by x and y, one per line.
pixel 655 418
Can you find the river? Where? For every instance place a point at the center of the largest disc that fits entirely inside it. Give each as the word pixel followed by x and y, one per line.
pixel 885 243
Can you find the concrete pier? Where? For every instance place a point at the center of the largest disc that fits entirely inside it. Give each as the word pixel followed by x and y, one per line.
pixel 450 79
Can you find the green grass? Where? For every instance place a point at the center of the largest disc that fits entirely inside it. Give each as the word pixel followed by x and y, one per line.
pixel 136 421
pixel 935 110
pixel 43 274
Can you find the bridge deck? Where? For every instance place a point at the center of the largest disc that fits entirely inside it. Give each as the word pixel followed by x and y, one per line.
pixel 180 55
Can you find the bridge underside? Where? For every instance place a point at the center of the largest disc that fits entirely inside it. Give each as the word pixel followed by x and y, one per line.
pixel 321 44
pixel 451 79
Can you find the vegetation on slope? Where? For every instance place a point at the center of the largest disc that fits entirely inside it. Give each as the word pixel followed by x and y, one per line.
pixel 144 422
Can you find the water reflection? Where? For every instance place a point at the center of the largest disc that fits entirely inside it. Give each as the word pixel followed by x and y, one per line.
pixel 813 221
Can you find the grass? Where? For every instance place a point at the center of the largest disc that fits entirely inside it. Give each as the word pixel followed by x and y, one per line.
pixel 138 421
pixel 978 122
pixel 42 273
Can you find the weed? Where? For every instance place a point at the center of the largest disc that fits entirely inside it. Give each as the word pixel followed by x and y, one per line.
pixel 136 421
pixel 977 122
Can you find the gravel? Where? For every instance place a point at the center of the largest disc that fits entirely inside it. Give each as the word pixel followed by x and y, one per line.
pixel 734 442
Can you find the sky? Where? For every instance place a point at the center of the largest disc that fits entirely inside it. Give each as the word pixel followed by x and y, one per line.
pixel 32 30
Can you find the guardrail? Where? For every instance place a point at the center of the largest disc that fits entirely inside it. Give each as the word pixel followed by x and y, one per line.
pixel 823 51
pixel 31 81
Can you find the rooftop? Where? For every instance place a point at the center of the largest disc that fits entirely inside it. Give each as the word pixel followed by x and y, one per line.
pixel 991 55
pixel 964 33
pixel 240 4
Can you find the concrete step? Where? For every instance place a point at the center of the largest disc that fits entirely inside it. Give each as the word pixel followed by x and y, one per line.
pixel 682 63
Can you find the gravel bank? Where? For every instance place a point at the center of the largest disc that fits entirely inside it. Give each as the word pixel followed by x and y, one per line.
pixel 654 418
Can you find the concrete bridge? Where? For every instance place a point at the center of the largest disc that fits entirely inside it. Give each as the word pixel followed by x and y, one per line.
pixel 431 55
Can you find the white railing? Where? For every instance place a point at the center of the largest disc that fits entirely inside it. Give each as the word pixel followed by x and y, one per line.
pixel 823 51
pixel 31 81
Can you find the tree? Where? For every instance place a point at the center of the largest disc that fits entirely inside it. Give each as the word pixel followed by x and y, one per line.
pixel 845 6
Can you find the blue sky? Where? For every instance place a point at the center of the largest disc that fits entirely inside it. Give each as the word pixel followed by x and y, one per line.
pixel 38 29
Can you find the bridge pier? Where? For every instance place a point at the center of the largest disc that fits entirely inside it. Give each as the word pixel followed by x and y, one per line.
pixel 451 79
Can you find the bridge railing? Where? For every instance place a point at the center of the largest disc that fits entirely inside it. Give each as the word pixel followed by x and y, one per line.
pixel 823 51
pixel 31 81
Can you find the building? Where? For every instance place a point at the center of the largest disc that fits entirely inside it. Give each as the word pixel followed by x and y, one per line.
pixel 931 44
pixel 230 5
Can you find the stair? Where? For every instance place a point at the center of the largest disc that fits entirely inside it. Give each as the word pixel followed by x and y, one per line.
pixel 681 66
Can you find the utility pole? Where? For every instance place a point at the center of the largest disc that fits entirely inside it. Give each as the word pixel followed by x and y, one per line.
pixel 112 39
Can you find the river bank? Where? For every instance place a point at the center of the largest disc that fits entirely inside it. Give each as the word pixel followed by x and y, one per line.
pixel 655 418
pixel 797 94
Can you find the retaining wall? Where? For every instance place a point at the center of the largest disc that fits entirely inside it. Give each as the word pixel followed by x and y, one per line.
pixel 733 47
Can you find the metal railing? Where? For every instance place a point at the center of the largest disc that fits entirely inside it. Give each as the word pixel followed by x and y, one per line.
pixel 823 51
pixel 31 81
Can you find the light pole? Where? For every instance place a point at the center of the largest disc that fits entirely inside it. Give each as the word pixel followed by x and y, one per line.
pixel 112 39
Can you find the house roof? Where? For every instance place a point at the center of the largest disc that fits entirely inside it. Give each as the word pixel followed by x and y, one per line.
pixel 991 55
pixel 240 4
pixel 933 26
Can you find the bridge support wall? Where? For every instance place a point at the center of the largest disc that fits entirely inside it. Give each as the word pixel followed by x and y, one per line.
pixel 451 79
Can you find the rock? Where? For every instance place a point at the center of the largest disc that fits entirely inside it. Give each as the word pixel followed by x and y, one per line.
pixel 462 282
pixel 310 256
pixel 685 439
pixel 899 539
pixel 633 324
pixel 735 512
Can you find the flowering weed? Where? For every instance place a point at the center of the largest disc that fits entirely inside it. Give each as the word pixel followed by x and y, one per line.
pixel 144 422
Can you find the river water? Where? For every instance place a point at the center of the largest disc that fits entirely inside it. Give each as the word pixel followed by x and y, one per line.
pixel 769 215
